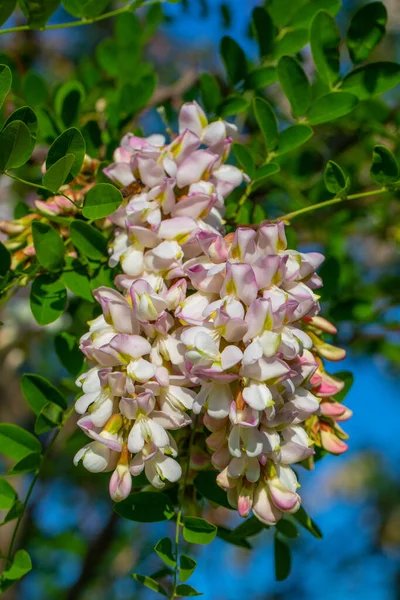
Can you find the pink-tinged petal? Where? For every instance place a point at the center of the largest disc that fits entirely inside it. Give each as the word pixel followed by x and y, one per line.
pixel 177 228
pixel 332 409
pixel 291 452
pixel 135 438
pixel 183 146
pixel 243 246
pixel 195 167
pixel 245 499
pixel 219 400
pixel 191 310
pixel 196 206
pixel 258 318
pixel 271 238
pixel 237 467
pixel 230 356
pixel 326 385
pixel 225 481
pixel 137 465
pixel 253 353
pixel 158 433
pixel 214 246
pixel 283 499
pixel 226 178
pixel 214 133
pixel 120 484
pixel 95 457
pixel 257 396
pixel 120 172
pixel 192 117
pixel 266 270
pixel 151 172
pixel 263 508
pixel 271 370
pixel 345 416
pixel 240 282
pixel 321 324
pixel 332 353
pixel 330 441
pixel 131 346
pixel 141 370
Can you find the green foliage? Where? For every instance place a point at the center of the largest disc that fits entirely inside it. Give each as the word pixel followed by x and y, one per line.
pixel 283 562
pixel 198 531
pixel 384 169
pixel 150 583
pixel 372 79
pixel 305 521
pixel 366 30
pixel 264 30
pixel 186 567
pixel 15 145
pixel 325 41
pixel 8 495
pixel 295 84
pixel 207 486
pixel 17 443
pixel 234 59
pixel 5 82
pixel 5 260
pixel 267 122
pixel 57 174
pixel 88 240
pixel 146 507
pixel 39 392
pixel 210 92
pixel 335 180
pixel 49 246
pixel 69 142
pixel 67 350
pixel 67 102
pixel 21 565
pixel 38 12
pixel 102 200
pixel 7 8
pixel 48 298
pixel 183 591
pixel 331 106
pixel 165 552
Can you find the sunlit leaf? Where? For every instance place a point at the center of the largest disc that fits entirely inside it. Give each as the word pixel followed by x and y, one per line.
pixel 20 566
pixel 198 531
pixel 372 79
pixel 8 495
pixel 165 552
pixel 101 200
pixel 187 567
pixel 17 443
pixel 49 246
pixel 150 583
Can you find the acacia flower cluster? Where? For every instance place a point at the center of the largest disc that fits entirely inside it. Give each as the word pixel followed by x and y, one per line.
pixel 226 326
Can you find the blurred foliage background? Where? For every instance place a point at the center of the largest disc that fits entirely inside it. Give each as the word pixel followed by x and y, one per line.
pixel 111 77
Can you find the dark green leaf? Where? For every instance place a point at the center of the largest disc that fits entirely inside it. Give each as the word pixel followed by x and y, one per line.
pixel 7 8
pixel 183 590
pixel 74 7
pixel 244 158
pixel 335 180
pixel 88 240
pixel 68 100
pixel 187 566
pixel 305 14
pixel 263 173
pixel 370 80
pixel 21 565
pixel 210 92
pixel 165 552
pixel 77 279
pixel 101 200
pixel 69 142
pixel 293 137
pixel 14 513
pixel 348 379
pixel 325 41
pixel 49 246
pixel 48 298
pixel 295 84
pixel 15 146
pixel 49 417
pixel 67 350
pixel 145 507
pixel 16 443
pixel 47 124
pixel 93 8
pixel 27 116
pixel 330 274
pixel 56 175
pixel 249 527
pixel 282 559
pixel 8 495
pixel 35 88
pixel 206 484
pixel 302 517
pixel 198 531
pixel 38 392
pixel 28 464
pixel 226 534
pixel 384 169
pixel 92 135
pixel 260 78
pixel 282 11
pixel 267 122
pixel 5 82
pixel 150 583
pixel 291 43
pixel 366 30
pixel 5 260
pixel 38 11
pixel 234 60
pixel 331 107
pixel 233 105
pixel 287 528
pixel 264 30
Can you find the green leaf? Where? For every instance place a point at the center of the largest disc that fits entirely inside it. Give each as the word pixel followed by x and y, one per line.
pixel 67 102
pixel 145 507
pixel 206 484
pixel 282 11
pixel 15 512
pixel 56 175
pixel 384 168
pixel 187 566
pixel 21 565
pixel 366 30
pixel 372 79
pixel 49 417
pixel 264 31
pixel 302 517
pixel 348 379
pixel 244 158
pixel 150 583
pixel 49 246
pixel 92 135
pixel 293 137
pixel 165 552
pixel 35 88
pixel 325 42
pixel 282 559
pixel 263 173
pixel 5 260
pixel 88 240
pixel 93 8
pixel 37 391
pixel 305 14
pixel 267 122
pixel 249 527
pixel 226 534
pixel 210 92
pixel 234 60
pixel 38 12
pixel 28 464
pixel 48 299
pixel 260 78
pixel 8 495
pixel 101 200
pixel 16 443
pixel 67 349
pixel 295 84
pixel 198 531
pixel 183 590
pixel 291 43
pixel 331 106
pixel 7 8
pixel 15 146
pixel 336 181
pixel 27 116
pixel 233 105
pixel 287 528
pixel 5 82
pixel 77 279
pixel 69 142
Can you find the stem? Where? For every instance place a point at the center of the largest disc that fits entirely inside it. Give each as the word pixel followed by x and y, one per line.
pixel 107 15
pixel 37 185
pixel 337 200
pixel 179 515
pixel 34 480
